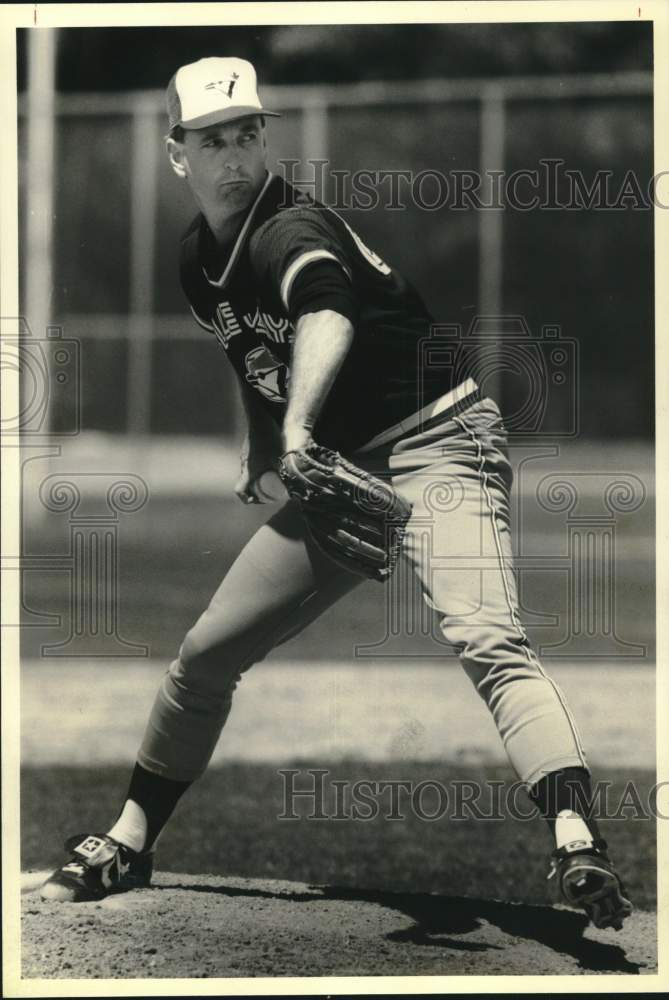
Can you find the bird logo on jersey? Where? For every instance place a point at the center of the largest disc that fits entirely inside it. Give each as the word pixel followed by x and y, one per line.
pixel 266 374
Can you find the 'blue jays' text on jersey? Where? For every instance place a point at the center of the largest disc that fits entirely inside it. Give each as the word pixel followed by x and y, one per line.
pixel 245 301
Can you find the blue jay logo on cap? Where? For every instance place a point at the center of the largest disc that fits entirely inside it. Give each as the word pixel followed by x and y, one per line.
pixel 212 91
pixel 220 85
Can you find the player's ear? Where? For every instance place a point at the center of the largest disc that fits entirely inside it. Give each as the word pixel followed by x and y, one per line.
pixel 176 152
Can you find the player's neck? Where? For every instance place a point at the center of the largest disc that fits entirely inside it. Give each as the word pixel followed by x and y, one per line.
pixel 225 231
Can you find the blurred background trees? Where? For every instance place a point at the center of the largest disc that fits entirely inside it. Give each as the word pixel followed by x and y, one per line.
pixel 129 58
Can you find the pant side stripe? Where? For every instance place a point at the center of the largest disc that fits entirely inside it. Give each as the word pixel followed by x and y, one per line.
pixel 528 651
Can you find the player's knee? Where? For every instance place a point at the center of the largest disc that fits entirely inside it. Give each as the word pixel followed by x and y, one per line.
pixel 196 677
pixel 211 642
pixel 205 667
pixel 468 634
pixel 487 649
pixel 193 647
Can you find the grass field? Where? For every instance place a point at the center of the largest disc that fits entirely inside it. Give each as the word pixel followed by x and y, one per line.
pixel 173 552
pixel 172 558
pixel 228 825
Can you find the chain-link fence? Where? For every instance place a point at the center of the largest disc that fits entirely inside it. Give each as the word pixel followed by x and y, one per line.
pixel 585 269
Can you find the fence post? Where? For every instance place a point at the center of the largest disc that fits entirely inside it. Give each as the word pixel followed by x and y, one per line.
pixel 38 304
pixel 143 200
pixel 315 134
pixel 491 220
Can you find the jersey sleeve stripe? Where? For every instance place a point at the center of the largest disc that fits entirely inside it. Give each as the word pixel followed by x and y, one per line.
pixel 294 269
pixel 201 322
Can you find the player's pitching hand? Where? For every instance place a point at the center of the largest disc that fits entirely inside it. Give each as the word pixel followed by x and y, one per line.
pixel 258 479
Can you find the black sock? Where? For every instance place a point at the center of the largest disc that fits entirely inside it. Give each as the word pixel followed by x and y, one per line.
pixel 157 796
pixel 568 788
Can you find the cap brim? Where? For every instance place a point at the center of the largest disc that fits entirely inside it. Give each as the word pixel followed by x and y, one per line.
pixel 222 117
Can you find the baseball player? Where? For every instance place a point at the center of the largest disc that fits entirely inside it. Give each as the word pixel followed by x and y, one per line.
pixel 324 338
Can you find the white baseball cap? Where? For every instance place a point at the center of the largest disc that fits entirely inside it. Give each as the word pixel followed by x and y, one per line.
pixel 213 90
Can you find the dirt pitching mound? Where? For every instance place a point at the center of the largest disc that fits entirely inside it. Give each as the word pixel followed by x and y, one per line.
pixel 205 926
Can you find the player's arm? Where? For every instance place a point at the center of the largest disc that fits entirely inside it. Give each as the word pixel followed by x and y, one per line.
pixel 303 262
pixel 261 447
pixel 322 341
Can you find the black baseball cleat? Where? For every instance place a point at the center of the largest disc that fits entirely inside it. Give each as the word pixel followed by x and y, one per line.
pixel 98 866
pixel 588 879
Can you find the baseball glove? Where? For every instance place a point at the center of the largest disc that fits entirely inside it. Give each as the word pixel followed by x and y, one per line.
pixel 355 518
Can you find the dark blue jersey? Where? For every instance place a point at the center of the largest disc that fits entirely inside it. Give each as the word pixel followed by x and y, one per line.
pixel 252 297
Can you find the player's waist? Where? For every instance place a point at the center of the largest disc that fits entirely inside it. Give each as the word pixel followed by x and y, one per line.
pixel 446 406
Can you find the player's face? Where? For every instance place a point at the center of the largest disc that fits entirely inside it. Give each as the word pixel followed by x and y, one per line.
pixel 225 166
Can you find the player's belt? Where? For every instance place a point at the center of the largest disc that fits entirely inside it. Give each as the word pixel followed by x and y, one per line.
pixel 446 406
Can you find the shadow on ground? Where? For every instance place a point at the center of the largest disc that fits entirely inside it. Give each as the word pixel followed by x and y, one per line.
pixel 438 921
